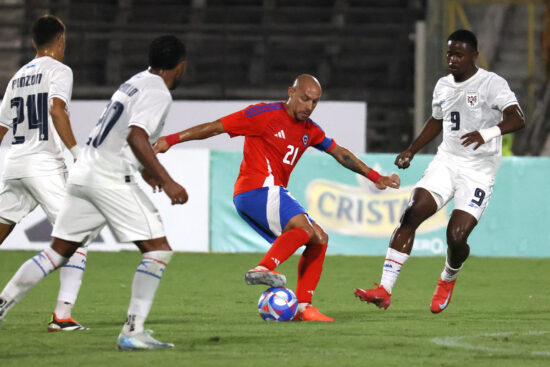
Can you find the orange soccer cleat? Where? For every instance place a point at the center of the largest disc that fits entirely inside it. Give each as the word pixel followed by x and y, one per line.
pixel 442 295
pixel 379 296
pixel 311 313
pixel 69 324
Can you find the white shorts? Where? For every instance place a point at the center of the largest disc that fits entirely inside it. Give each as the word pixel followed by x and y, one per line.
pixel 19 197
pixel 127 211
pixel 471 188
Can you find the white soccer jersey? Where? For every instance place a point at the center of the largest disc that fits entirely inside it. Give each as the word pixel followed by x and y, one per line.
pixel 107 160
pixel 474 104
pixel 37 149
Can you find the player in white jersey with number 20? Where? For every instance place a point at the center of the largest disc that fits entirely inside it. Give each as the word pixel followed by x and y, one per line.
pixel 35 107
pixel 101 190
pixel 474 108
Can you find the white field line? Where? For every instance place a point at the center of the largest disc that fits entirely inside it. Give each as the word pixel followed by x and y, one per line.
pixel 459 342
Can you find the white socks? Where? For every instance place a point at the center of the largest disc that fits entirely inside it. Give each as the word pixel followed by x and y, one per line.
pixel 30 274
pixel 70 277
pixel 302 306
pixel 146 280
pixel 392 268
pixel 449 274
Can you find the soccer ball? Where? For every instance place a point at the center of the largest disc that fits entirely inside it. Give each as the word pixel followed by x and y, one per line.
pixel 278 304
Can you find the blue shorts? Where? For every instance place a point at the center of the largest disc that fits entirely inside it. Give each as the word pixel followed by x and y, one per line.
pixel 268 210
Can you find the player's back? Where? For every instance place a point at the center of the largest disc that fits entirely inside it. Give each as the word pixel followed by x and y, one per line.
pixel 36 147
pixel 107 159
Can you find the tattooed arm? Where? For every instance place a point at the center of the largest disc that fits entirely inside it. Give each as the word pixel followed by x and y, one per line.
pixel 353 163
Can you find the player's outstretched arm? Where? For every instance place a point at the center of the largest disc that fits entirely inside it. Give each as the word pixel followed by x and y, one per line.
pixel 62 125
pixel 512 120
pixel 352 162
pixel 3 131
pixel 199 132
pixel 431 129
pixel 155 171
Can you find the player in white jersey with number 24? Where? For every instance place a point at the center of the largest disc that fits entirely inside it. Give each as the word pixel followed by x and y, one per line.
pixel 35 107
pixel 102 190
pixel 474 108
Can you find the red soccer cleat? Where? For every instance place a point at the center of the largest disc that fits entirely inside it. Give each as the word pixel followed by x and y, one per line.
pixel 379 296
pixel 442 295
pixel 311 313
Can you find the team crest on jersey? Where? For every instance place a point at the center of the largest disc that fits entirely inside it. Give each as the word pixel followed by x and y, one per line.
pixel 472 99
pixel 305 139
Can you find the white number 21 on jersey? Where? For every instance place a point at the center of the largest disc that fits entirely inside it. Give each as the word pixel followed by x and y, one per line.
pixel 292 152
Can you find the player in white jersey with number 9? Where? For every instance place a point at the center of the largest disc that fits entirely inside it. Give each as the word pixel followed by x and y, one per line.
pixel 474 108
pixel 102 190
pixel 35 107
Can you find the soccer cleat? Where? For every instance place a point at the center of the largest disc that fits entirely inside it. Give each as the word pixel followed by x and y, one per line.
pixel 3 304
pixel 69 324
pixel 142 340
pixel 442 295
pixel 264 276
pixel 379 296
pixel 311 313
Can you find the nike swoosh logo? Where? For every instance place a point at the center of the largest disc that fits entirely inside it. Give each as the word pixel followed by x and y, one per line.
pixel 446 302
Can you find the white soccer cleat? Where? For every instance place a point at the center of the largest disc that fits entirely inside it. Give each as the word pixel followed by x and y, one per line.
pixel 139 341
pixel 260 275
pixel 3 309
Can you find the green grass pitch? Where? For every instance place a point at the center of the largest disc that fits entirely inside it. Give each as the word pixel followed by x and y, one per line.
pixel 499 316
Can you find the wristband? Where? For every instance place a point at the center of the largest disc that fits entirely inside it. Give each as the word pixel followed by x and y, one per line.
pixel 490 133
pixel 373 175
pixel 75 151
pixel 173 139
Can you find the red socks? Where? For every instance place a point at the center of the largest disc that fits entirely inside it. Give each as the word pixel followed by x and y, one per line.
pixel 283 247
pixel 309 271
pixel 309 267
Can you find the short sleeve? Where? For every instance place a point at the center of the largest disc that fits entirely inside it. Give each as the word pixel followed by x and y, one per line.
pixel 6 112
pixel 499 94
pixel 246 122
pixel 319 140
pixel 61 83
pixel 437 98
pixel 149 109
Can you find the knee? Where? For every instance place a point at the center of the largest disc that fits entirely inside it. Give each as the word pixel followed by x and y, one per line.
pixel 309 231
pixel 321 237
pixel 411 218
pixel 456 237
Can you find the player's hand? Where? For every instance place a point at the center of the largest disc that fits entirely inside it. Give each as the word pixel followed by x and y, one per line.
pixel 175 192
pixel 151 181
pixel 392 181
pixel 472 138
pixel 161 145
pixel 404 159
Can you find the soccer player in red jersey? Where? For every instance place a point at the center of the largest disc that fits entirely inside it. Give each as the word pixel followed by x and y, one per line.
pixel 276 136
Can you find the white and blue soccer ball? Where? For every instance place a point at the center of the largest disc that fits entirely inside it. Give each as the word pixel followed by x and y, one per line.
pixel 278 304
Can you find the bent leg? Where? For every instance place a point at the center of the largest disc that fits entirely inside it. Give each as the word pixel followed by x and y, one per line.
pixel 297 232
pixel 421 206
pixel 33 271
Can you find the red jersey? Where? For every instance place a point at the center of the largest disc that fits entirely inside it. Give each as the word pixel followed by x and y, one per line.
pixel 273 144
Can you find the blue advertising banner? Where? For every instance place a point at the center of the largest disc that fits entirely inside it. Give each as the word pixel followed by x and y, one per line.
pixel 360 219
